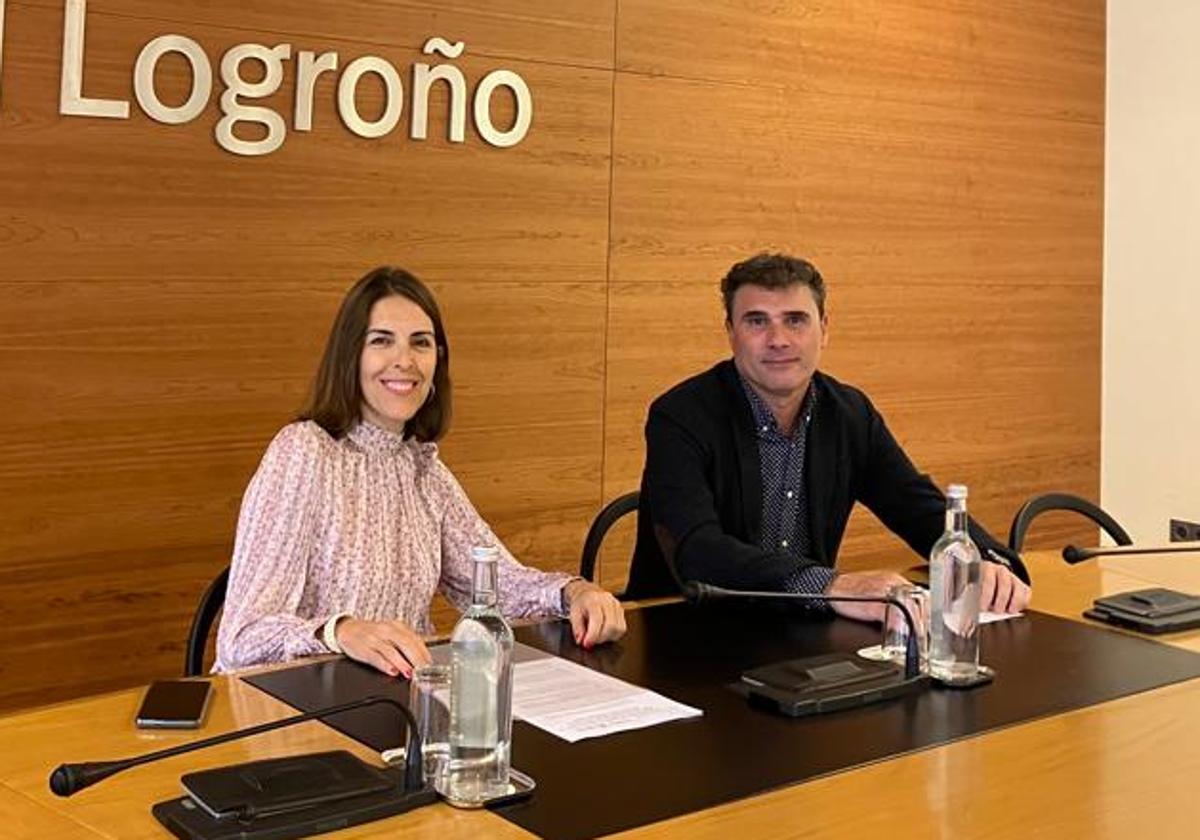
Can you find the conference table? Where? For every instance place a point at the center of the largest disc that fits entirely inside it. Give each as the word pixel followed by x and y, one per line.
pixel 1124 768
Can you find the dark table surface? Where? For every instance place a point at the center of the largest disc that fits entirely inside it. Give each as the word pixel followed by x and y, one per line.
pixel 692 653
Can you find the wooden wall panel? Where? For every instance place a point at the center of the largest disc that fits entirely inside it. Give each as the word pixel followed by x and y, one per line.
pixel 165 301
pixel 955 211
pixel 327 201
pixel 1013 56
pixel 574 33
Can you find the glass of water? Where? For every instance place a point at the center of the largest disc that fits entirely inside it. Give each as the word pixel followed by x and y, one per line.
pixel 895 628
pixel 429 702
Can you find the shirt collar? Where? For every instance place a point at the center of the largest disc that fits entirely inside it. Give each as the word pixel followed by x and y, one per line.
pixel 371 438
pixel 764 420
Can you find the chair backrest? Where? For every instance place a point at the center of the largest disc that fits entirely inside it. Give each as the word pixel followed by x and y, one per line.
pixel 1062 501
pixel 604 520
pixel 206 613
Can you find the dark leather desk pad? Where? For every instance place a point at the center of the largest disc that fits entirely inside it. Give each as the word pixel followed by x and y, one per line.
pixel 1045 666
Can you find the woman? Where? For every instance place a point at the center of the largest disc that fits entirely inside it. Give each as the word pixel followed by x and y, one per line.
pixel 351 522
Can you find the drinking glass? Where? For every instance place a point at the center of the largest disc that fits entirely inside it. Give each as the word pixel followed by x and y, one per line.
pixel 895 628
pixel 429 702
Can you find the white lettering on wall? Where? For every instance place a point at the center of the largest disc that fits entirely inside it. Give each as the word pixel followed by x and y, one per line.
pixel 483 108
pixel 393 97
pixel 71 99
pixel 423 79
pixel 235 112
pixel 309 66
pixel 143 79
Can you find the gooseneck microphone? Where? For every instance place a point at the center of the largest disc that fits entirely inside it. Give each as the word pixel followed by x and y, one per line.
pixel 68 779
pixel 696 591
pixel 1073 554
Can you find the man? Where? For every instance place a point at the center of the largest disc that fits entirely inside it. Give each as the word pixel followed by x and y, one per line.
pixel 752 467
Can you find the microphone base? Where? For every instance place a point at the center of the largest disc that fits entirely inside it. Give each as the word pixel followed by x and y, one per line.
pixel 829 683
pixel 186 819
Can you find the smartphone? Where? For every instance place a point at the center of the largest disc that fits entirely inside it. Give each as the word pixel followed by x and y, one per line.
pixel 174 704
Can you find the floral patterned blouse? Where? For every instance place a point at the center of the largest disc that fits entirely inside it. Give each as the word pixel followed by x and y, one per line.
pixel 370 525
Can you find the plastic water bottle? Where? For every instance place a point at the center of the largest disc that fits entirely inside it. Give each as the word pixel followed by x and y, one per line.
pixel 481 665
pixel 954 569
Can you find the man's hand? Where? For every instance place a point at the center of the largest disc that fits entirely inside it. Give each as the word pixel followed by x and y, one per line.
pixel 1000 590
pixel 391 646
pixel 863 584
pixel 596 616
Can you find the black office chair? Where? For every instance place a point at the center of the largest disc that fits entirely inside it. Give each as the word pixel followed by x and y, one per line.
pixel 1062 501
pixel 202 622
pixel 607 517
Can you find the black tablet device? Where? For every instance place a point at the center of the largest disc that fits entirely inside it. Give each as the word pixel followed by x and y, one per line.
pixel 1151 611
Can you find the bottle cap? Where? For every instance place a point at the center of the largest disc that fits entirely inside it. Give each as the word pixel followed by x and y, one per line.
pixel 485 553
pixel 956 491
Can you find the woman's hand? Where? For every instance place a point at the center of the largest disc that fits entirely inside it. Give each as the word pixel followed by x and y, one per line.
pixel 596 616
pixel 391 646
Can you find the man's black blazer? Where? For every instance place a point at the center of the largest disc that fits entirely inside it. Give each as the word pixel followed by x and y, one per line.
pixel 700 513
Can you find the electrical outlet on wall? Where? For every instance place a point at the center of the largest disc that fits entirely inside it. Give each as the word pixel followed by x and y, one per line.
pixel 1184 531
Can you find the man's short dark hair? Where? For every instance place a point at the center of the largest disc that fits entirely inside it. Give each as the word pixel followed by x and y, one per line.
pixel 773 271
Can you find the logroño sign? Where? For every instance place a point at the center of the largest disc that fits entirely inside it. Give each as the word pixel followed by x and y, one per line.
pixel 238 93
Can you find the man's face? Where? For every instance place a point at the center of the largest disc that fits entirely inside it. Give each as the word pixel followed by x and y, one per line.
pixel 777 336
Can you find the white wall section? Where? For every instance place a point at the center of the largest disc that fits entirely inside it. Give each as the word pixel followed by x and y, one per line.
pixel 1150 442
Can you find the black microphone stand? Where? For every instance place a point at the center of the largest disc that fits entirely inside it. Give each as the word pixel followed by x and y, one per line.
pixel 1154 610
pixel 261 799
pixel 827 683
pixel 1074 554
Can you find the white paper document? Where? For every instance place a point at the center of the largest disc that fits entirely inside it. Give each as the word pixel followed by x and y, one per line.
pixel 574 702
pixel 986 617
